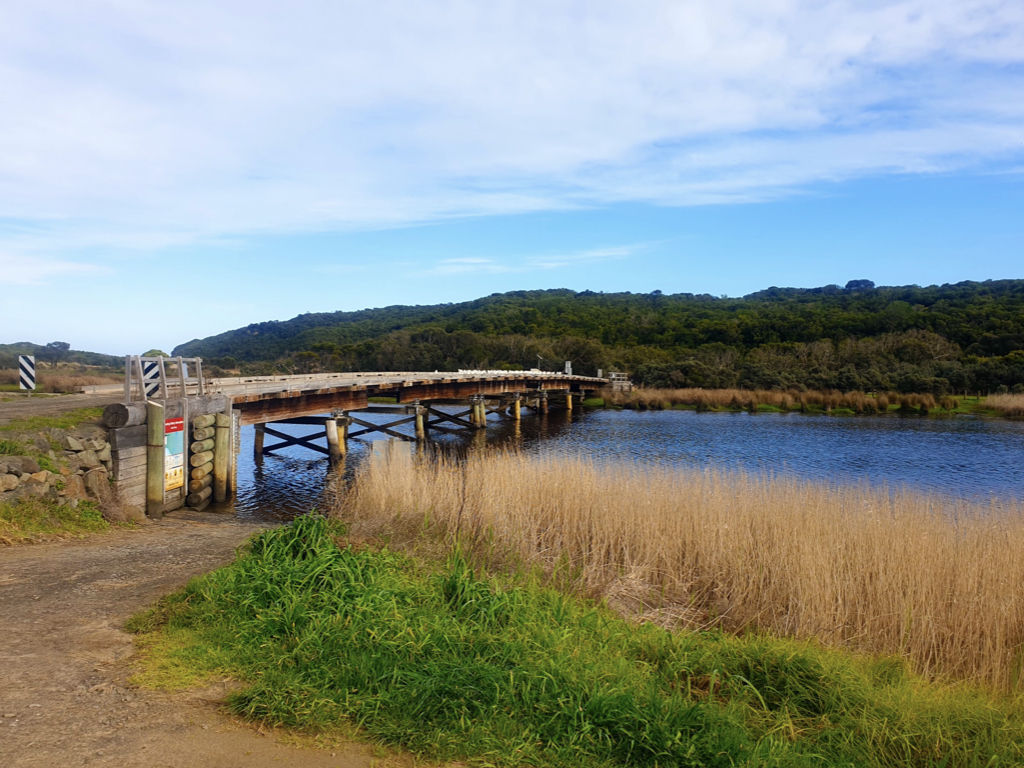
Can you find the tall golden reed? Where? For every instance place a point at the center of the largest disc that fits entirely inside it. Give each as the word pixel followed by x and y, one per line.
pixel 748 399
pixel 1008 405
pixel 937 581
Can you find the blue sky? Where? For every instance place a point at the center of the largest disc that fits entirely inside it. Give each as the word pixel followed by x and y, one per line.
pixel 255 161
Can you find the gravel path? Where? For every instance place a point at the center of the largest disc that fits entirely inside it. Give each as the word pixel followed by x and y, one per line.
pixel 65 659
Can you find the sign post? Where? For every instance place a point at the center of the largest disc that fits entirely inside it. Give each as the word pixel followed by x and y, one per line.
pixel 27 371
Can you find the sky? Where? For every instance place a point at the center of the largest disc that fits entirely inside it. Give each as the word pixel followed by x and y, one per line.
pixel 171 171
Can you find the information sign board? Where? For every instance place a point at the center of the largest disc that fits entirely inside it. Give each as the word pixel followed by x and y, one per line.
pixel 174 454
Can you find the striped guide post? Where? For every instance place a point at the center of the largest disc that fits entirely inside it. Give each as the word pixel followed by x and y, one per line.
pixel 27 371
pixel 151 377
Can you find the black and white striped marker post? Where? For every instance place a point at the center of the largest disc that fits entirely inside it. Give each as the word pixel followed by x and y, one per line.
pixel 27 371
pixel 151 377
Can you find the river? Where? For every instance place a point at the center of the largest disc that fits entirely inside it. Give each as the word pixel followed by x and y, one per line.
pixel 965 457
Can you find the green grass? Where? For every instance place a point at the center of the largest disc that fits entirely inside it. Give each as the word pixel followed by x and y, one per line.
pixel 63 421
pixel 11 447
pixel 451 665
pixel 32 519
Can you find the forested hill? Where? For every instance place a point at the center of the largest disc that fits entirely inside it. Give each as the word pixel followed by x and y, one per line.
pixel 935 338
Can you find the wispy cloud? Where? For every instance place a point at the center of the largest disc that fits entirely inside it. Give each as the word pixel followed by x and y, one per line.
pixel 137 126
pixel 530 263
pixel 19 269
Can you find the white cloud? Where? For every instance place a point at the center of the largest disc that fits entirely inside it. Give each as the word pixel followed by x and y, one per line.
pixel 137 126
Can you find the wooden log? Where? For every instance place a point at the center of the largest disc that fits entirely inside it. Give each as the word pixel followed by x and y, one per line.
pixel 258 440
pixel 421 423
pixel 201 422
pixel 117 415
pixel 199 459
pixel 200 472
pixel 204 433
pixel 194 486
pixel 220 458
pixel 196 498
pixel 202 445
pixel 155 459
pixel 516 410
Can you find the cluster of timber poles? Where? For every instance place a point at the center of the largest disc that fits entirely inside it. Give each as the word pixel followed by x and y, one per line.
pixel 426 418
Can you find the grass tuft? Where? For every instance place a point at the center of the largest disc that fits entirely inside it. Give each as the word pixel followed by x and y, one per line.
pixel 31 519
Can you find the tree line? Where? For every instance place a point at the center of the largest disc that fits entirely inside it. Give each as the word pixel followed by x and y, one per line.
pixel 938 339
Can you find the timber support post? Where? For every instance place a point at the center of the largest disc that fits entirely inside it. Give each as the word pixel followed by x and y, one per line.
pixel 333 449
pixel 342 423
pixel 154 459
pixel 542 397
pixel 257 443
pixel 516 411
pixel 221 445
pixel 421 421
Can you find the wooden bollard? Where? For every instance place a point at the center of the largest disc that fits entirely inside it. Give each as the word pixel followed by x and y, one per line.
pixel 154 459
pixel 331 428
pixel 220 457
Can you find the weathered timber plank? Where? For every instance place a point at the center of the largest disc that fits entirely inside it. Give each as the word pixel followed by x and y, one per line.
pixel 127 437
pixel 128 453
pixel 264 411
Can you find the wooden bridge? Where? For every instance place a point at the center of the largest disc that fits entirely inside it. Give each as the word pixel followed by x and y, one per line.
pixel 170 395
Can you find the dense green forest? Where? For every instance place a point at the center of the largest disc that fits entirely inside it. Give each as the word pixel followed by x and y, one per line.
pixel 939 339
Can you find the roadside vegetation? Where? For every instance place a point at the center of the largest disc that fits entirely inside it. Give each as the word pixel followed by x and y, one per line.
pixel 66 420
pixel 32 520
pixel 329 634
pixel 61 380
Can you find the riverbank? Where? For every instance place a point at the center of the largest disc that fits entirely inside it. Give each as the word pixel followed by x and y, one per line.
pixel 334 634
pixel 834 402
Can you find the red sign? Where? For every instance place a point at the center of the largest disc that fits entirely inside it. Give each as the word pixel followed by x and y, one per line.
pixel 174 425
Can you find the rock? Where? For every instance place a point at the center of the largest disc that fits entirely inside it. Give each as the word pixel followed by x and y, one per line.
pixel 21 465
pixel 103 454
pixel 8 482
pixel 88 459
pixel 57 434
pixel 72 443
pixel 42 444
pixel 96 485
pixel 74 487
pixel 3 467
pixel 40 477
pixel 93 443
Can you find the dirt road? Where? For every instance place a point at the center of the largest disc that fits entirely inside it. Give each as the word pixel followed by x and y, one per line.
pixel 21 407
pixel 65 659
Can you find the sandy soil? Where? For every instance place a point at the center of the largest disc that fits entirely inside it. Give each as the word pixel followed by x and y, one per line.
pixel 65 659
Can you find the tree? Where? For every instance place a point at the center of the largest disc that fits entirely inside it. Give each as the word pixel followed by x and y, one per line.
pixel 56 351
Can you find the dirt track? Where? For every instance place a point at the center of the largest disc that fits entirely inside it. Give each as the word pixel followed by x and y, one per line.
pixel 21 407
pixel 65 659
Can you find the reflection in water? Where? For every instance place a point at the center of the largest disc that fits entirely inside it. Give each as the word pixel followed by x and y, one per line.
pixel 966 457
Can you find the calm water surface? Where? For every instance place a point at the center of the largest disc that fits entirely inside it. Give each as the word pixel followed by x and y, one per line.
pixel 966 457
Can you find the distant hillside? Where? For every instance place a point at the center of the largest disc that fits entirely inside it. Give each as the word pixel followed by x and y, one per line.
pixel 949 337
pixel 45 354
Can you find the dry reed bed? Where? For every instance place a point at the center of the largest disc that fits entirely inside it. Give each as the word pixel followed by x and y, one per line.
pixel 1008 405
pixel 706 399
pixel 936 581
